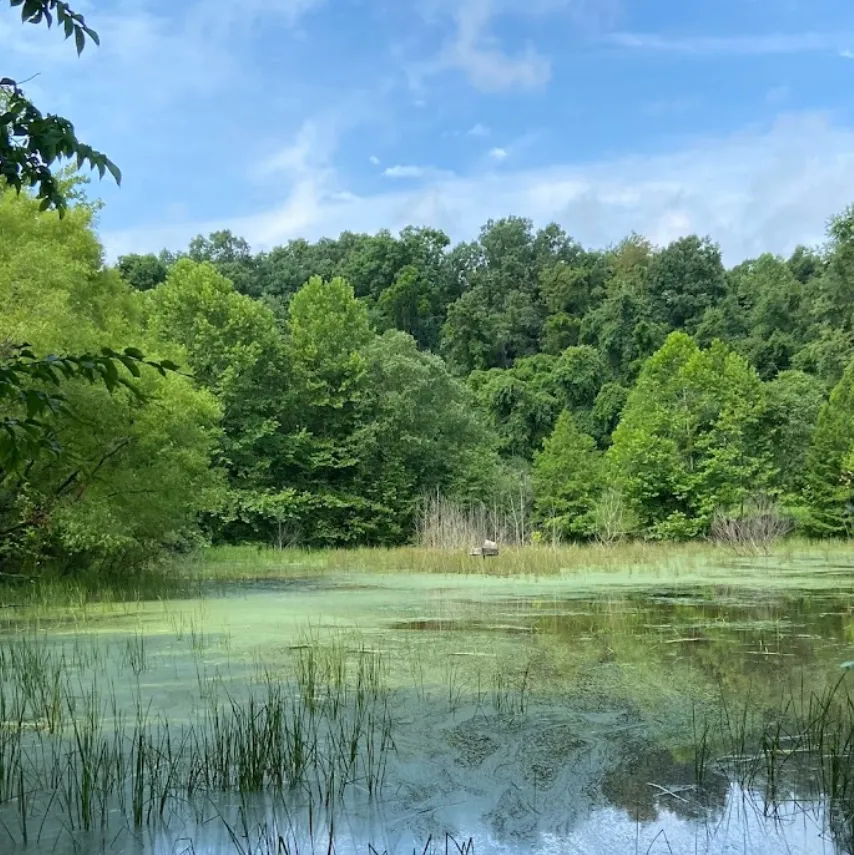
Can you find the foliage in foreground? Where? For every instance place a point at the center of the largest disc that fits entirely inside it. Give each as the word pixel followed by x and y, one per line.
pixel 130 461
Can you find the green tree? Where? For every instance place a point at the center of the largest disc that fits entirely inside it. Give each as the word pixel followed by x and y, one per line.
pixel 765 314
pixel 579 372
pixel 31 143
pixel 421 433
pixel 321 438
pixel 690 438
pixel 32 147
pixel 794 402
pixel 686 278
pixel 830 463
pixel 622 327
pixel 142 272
pixel 499 315
pixel 328 329
pixel 236 351
pixel 568 478
pixel 231 256
pixel 129 469
pixel 607 409
pixel 408 305
pixel 521 403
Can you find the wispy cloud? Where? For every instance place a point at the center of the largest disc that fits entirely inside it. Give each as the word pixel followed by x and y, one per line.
pixel 402 171
pixel 474 50
pixel 374 160
pixel 478 130
pixel 415 172
pixel 310 149
pixel 753 192
pixel 498 153
pixel 759 44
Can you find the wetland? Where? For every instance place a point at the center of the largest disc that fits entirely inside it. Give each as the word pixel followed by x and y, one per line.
pixel 682 703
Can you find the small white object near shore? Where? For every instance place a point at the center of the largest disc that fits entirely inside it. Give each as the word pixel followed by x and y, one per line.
pixel 489 548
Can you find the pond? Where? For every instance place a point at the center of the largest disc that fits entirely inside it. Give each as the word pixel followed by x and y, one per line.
pixel 591 713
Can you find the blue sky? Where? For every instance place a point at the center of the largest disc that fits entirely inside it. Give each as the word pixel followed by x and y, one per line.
pixel 288 118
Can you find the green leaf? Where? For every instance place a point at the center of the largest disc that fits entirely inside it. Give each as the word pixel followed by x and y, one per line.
pixel 92 35
pixel 115 172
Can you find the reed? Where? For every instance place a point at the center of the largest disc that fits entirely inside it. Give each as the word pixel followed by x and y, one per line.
pixel 322 732
pixel 804 744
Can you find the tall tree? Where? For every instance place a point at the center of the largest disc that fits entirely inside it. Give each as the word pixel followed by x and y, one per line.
pixel 568 478
pixel 235 350
pixel 686 278
pixel 128 466
pixel 794 402
pixel 142 272
pixel 690 439
pixel 830 463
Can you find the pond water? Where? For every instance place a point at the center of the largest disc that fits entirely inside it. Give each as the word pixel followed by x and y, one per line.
pixel 564 714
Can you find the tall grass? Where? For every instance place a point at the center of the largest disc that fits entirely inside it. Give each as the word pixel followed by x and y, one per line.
pixel 804 745
pixel 245 563
pixel 320 735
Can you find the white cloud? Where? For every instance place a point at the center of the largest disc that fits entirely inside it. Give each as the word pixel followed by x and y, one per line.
pixel 311 147
pixel 475 51
pixel 478 130
pixel 400 171
pixel 847 53
pixel 150 57
pixel 749 45
pixel 374 160
pixel 498 153
pixel 760 190
pixel 416 172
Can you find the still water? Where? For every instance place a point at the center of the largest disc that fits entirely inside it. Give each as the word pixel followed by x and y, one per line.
pixel 524 716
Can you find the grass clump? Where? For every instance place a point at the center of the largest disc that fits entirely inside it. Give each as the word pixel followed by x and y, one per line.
pixel 72 758
pixel 804 745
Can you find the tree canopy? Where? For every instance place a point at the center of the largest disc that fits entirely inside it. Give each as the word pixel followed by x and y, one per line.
pixel 318 391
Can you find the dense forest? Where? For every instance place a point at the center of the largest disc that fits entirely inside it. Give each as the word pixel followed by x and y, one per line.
pixel 325 389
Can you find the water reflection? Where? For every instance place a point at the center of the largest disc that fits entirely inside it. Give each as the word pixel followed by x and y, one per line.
pixel 739 827
pixel 529 721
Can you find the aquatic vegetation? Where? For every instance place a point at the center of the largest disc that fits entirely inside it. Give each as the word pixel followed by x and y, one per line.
pixel 273 710
pixel 804 744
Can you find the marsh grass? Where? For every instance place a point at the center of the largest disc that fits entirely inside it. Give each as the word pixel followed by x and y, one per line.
pixel 250 563
pixel 247 563
pixel 71 756
pixel 72 593
pixel 804 744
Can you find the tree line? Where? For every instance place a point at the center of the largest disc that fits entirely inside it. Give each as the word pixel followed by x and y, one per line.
pixel 324 389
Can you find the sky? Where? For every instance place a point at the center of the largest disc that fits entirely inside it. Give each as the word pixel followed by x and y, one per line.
pixel 280 119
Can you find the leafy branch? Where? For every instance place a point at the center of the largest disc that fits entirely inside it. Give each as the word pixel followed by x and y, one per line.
pixel 31 385
pixel 31 143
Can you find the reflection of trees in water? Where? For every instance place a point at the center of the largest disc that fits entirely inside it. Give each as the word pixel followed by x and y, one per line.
pixel 638 784
pixel 722 638
pixel 655 661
